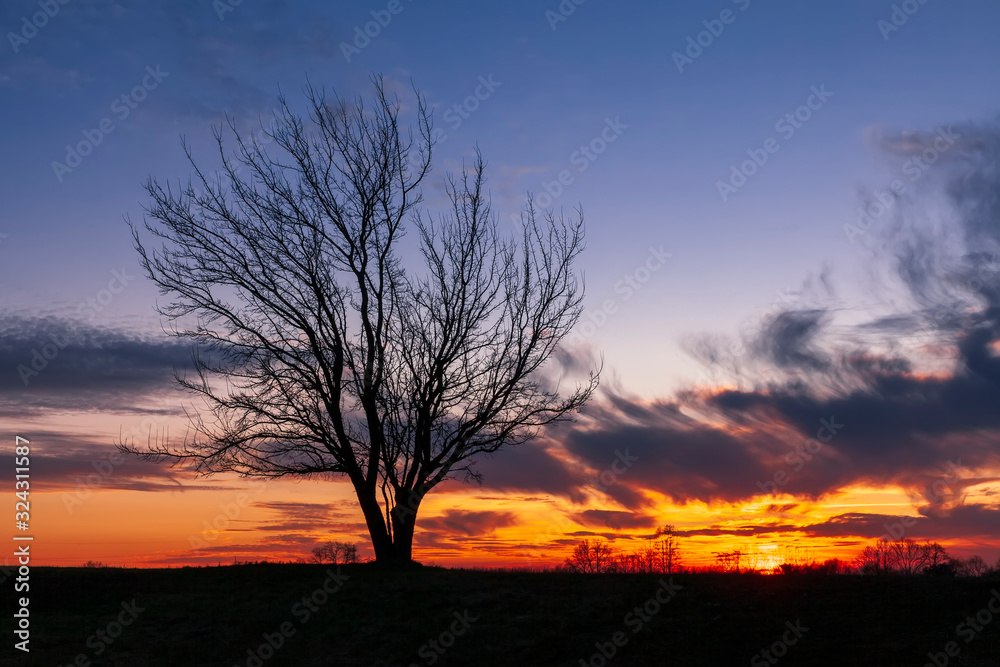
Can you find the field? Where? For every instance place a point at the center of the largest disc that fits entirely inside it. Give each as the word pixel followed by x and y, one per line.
pixel 234 615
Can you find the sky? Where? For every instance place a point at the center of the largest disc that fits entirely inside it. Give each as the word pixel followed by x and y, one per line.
pixel 788 376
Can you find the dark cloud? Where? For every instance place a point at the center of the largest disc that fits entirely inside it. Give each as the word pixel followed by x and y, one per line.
pixel 531 468
pixel 789 340
pixel 52 363
pixel 80 465
pixel 963 522
pixel 845 402
pixel 614 519
pixel 780 509
pixel 465 523
pixel 739 531
pixel 309 517
pixel 667 451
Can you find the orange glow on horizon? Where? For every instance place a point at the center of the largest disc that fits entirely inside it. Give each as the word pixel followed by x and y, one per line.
pixel 149 530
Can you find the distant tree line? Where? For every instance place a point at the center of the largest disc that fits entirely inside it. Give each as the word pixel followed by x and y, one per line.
pixel 659 555
pixel 908 557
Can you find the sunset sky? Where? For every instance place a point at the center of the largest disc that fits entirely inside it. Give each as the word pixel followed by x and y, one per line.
pixel 798 352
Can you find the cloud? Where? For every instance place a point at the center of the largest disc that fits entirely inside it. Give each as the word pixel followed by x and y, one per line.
pixel 531 468
pixel 309 517
pixel 789 340
pixel 614 519
pixel 53 363
pixel 964 522
pixel 674 453
pixel 466 523
pixel 80 465
pixel 846 399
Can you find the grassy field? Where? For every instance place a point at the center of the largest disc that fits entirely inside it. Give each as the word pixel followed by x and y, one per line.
pixel 225 616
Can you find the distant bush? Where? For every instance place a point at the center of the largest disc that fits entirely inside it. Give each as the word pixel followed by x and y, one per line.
pixel 335 553
pixel 829 566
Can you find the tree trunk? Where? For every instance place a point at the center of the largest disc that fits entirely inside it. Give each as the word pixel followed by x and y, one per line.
pixel 404 520
pixel 375 520
pixel 397 549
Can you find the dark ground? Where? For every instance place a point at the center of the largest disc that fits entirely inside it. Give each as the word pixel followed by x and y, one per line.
pixel 213 616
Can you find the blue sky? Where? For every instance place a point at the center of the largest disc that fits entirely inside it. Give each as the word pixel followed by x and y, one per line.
pixel 895 336
pixel 655 185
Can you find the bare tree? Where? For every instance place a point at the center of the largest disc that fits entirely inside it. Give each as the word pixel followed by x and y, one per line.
pixel 976 566
pixel 936 559
pixel 659 554
pixel 876 559
pixel 729 561
pixel 667 549
pixel 592 557
pixel 322 354
pixel 907 557
pixel 630 563
pixel 335 553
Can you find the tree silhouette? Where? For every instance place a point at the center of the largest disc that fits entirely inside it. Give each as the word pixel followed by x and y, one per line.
pixel 908 557
pixel 976 566
pixel 729 561
pixel 667 549
pixel 335 553
pixel 322 353
pixel 876 559
pixel 592 557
